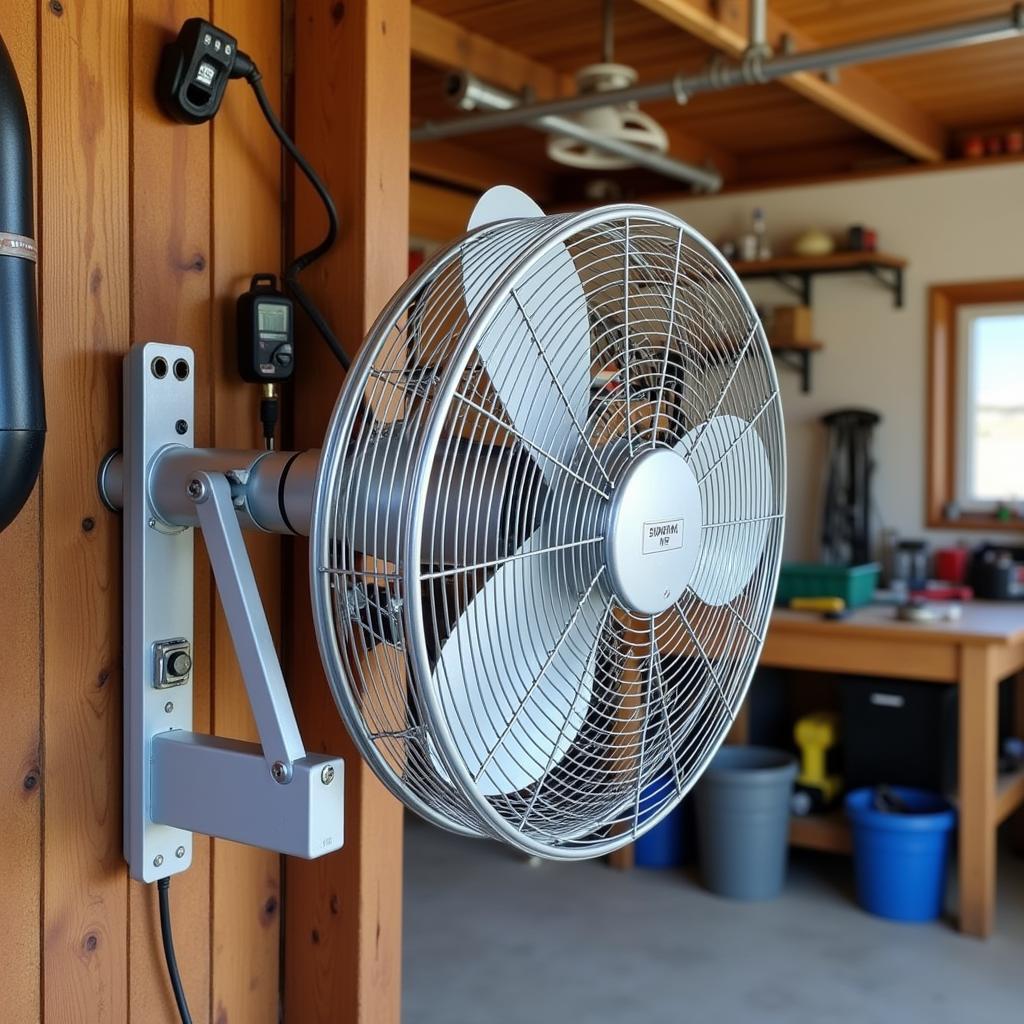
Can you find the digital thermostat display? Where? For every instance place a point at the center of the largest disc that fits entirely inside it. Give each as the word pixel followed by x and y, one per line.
pixel 272 318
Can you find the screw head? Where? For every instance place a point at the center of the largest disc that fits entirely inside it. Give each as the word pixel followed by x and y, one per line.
pixel 158 860
pixel 196 489
pixel 279 770
pixel 169 706
pixel 181 426
pixel 327 774
pixel 179 852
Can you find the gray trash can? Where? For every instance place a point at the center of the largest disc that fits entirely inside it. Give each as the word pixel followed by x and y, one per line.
pixel 743 821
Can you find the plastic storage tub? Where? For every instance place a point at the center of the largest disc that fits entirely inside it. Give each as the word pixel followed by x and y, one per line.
pixel 855 584
pixel 900 860
pixel 743 821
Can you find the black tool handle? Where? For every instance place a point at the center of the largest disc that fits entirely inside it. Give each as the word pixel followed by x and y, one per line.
pixel 22 415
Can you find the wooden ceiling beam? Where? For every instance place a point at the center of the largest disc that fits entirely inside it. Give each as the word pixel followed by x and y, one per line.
pixel 437 213
pixel 476 168
pixel 445 44
pixel 855 96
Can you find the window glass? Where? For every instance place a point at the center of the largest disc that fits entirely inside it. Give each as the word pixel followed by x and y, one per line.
pixel 992 406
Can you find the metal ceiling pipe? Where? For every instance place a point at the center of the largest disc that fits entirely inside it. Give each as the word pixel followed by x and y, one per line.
pixel 758 22
pixel 470 93
pixel 721 77
pixel 608 32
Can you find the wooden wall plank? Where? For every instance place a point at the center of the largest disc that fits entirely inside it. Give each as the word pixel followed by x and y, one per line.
pixel 343 912
pixel 84 94
pixel 246 240
pixel 171 291
pixel 20 767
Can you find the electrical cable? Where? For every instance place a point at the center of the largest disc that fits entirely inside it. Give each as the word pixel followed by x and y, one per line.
pixel 163 887
pixel 270 410
pixel 246 67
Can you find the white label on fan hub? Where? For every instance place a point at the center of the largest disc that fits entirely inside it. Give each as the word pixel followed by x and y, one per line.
pixel 666 536
pixel 654 531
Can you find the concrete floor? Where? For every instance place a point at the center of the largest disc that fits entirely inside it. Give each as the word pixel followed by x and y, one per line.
pixel 490 939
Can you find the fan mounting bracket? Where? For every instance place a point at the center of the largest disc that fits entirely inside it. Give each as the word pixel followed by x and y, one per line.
pixel 270 794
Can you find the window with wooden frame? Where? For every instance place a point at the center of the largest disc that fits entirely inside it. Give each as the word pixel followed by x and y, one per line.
pixel 976 405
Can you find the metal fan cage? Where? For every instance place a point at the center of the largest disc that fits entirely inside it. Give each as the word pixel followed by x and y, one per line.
pixel 472 634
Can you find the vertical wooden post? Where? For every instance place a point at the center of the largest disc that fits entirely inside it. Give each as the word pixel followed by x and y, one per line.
pixel 246 239
pixel 85 243
pixel 979 734
pixel 20 766
pixel 351 97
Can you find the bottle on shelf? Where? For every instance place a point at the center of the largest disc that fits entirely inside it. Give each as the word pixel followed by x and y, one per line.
pixel 763 249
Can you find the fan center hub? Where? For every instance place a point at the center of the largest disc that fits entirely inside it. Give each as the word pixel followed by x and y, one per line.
pixel 654 531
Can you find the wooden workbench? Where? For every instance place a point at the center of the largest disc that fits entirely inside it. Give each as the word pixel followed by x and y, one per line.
pixel 975 653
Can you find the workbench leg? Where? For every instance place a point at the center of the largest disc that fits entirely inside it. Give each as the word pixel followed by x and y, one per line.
pixel 1017 822
pixel 979 723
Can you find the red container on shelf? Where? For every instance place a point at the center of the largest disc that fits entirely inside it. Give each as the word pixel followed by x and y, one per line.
pixel 950 564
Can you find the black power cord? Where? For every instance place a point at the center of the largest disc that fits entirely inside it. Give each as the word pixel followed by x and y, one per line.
pixel 163 888
pixel 291 275
pixel 195 70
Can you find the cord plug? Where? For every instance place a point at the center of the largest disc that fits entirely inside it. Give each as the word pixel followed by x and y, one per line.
pixel 195 70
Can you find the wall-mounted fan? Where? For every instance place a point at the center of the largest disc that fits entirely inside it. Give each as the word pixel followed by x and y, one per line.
pixel 545 532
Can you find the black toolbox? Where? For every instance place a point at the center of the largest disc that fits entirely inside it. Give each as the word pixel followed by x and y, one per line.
pixel 898 732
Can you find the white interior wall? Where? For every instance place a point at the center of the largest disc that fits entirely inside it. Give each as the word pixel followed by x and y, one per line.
pixel 951 226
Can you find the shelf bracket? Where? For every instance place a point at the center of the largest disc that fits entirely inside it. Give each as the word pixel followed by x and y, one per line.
pixel 800 361
pixel 891 278
pixel 796 283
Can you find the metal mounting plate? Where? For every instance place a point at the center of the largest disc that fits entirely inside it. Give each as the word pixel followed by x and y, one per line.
pixel 158 596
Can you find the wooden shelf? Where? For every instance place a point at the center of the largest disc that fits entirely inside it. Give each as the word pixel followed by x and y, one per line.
pixel 1009 793
pixel 796 273
pixel 831 832
pixel 833 263
pixel 828 832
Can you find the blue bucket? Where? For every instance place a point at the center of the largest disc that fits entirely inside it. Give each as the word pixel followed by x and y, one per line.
pixel 900 859
pixel 662 846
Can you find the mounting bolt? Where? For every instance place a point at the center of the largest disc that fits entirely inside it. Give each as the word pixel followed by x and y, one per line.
pixel 151 523
pixel 181 426
pixel 327 774
pixel 169 706
pixel 179 663
pixel 158 860
pixel 179 852
pixel 280 771
pixel 196 490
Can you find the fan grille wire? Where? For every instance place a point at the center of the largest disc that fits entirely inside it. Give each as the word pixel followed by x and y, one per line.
pixel 466 479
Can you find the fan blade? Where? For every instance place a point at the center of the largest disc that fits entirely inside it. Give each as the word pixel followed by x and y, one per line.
pixel 516 674
pixel 537 348
pixel 736 515
pixel 502 202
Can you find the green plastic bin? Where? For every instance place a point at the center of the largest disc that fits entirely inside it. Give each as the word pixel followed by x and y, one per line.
pixel 855 584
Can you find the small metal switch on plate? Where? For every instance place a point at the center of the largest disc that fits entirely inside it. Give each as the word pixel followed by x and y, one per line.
pixel 172 663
